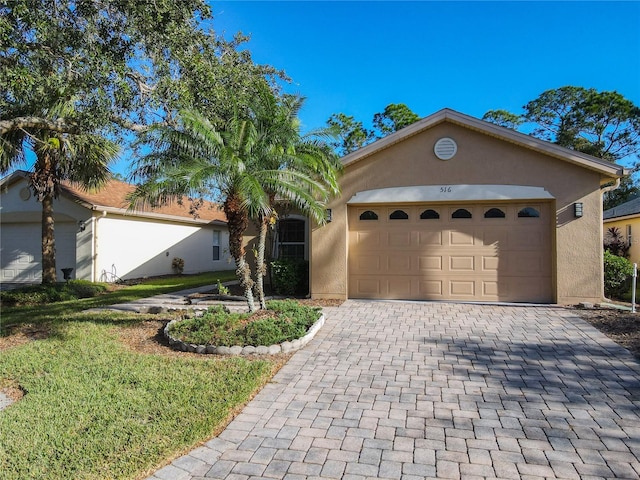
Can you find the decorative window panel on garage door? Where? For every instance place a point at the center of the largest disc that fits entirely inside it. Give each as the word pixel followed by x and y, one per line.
pixel 476 252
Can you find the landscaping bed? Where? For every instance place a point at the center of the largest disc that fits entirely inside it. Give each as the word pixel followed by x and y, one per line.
pixel 284 327
pixel 621 326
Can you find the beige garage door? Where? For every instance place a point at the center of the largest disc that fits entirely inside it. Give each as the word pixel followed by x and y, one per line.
pixel 488 252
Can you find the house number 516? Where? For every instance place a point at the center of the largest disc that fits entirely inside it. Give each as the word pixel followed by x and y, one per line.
pixel 445 189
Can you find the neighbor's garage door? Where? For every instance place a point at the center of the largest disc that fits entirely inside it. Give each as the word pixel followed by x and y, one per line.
pixel 492 252
pixel 21 251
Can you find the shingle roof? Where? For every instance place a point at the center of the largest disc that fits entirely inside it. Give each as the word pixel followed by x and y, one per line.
pixel 632 207
pixel 114 196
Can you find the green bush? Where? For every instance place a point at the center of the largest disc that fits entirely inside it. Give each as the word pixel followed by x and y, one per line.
pixel 290 277
pixel 51 293
pixel 617 271
pixel 288 321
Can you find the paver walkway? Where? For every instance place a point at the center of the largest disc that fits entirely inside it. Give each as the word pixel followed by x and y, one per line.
pixel 420 390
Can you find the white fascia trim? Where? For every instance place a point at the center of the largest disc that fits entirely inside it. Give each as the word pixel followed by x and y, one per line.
pixel 449 193
pixel 156 216
pixel 630 216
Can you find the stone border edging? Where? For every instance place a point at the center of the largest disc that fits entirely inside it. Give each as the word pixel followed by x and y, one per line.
pixel 284 347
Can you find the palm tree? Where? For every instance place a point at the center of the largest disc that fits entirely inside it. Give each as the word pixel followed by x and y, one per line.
pixel 197 159
pixel 247 162
pixel 302 170
pixel 81 158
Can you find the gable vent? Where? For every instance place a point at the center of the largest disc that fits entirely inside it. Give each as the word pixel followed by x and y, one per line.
pixel 445 148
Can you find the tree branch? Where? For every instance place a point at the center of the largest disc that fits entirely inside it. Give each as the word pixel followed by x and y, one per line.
pixel 17 123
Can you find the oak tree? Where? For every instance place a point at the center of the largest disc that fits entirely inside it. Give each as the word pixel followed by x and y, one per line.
pixel 90 73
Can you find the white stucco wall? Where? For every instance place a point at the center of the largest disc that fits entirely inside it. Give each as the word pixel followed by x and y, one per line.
pixel 130 247
pixel 123 247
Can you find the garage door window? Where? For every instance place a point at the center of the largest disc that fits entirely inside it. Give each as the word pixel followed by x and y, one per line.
pixel 429 215
pixel 528 212
pixel 399 215
pixel 461 213
pixel 368 215
pixel 494 213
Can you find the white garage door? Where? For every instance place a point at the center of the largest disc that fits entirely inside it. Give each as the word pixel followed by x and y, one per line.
pixel 21 251
pixel 478 252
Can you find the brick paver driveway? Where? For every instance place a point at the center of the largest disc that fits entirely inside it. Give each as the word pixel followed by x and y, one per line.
pixel 419 390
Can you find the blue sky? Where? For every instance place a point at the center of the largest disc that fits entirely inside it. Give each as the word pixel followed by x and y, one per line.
pixel 357 57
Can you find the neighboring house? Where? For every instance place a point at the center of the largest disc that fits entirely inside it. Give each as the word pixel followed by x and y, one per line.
pixel 626 217
pixel 455 208
pixel 101 239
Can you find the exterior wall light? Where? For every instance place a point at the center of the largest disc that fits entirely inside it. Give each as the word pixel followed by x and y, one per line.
pixel 577 209
pixel 329 215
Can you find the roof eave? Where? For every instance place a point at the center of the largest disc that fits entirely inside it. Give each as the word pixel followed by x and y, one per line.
pixel 607 169
pixel 13 178
pixel 156 216
pixel 628 216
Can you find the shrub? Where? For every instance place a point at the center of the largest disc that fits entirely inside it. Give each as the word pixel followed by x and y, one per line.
pixel 615 242
pixel 178 265
pixel 286 320
pixel 290 277
pixel 51 293
pixel 617 271
pixel 222 289
pixel 85 288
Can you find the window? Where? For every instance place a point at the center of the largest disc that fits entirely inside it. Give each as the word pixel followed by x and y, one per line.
pixel 216 245
pixel 429 215
pixel 399 215
pixel 528 212
pixel 291 238
pixel 368 215
pixel 494 213
pixel 629 236
pixel 461 213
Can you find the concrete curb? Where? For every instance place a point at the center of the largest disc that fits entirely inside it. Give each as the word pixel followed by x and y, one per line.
pixel 284 347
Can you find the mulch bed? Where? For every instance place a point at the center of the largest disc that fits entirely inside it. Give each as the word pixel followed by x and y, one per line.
pixel 236 291
pixel 623 327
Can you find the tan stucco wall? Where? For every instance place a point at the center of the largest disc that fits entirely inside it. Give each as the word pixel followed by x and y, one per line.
pixel 480 159
pixel 634 251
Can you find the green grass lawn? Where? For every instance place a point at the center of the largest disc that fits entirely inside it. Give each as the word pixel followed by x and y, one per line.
pixel 95 409
pixel 46 313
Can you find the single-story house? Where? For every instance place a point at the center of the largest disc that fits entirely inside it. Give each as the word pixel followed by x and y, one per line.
pixel 101 239
pixel 455 208
pixel 626 217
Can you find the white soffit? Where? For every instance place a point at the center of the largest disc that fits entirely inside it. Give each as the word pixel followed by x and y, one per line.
pixel 449 193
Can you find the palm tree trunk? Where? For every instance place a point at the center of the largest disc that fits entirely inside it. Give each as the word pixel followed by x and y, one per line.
pixel 237 221
pixel 44 184
pixel 261 268
pixel 48 241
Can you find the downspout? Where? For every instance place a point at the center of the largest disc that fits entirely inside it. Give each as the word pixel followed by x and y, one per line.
pixel 94 247
pixel 611 187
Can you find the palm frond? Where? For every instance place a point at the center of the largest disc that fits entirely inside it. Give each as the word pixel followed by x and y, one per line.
pixel 12 150
pixel 87 159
